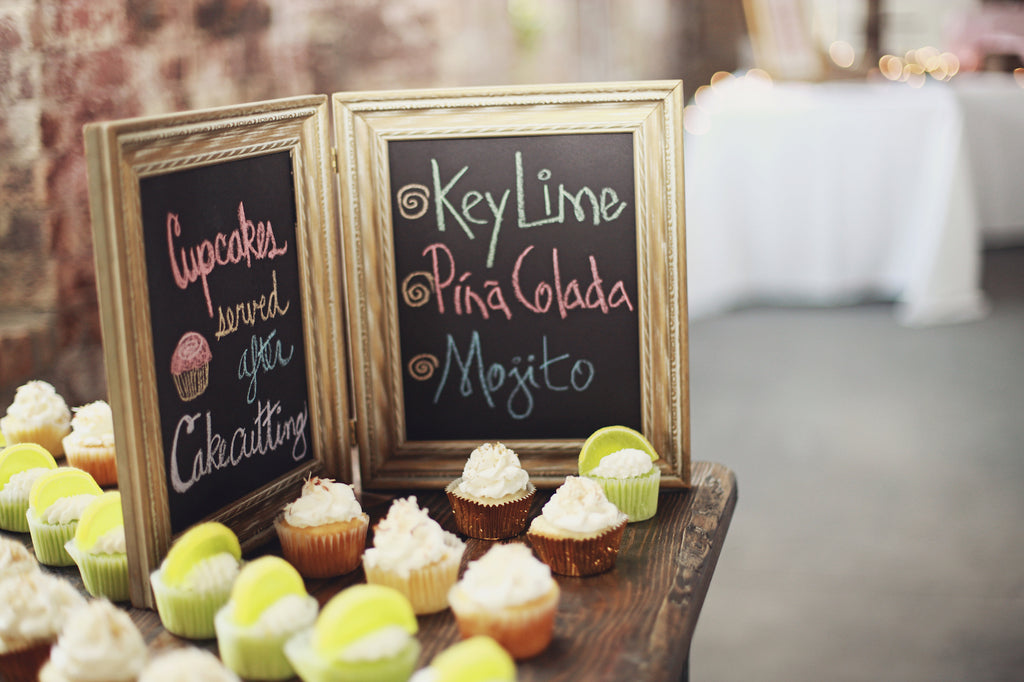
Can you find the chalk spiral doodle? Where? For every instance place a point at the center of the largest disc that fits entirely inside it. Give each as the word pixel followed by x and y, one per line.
pixel 413 201
pixel 422 366
pixel 416 288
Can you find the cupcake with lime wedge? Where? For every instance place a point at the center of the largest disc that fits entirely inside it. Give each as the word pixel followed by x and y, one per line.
pixel 99 548
pixel 477 659
pixel 195 579
pixel 622 461
pixel 20 465
pixel 268 605
pixel 55 504
pixel 365 633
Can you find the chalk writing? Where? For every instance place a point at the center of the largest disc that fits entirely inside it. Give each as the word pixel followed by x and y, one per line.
pixel 263 355
pixel 471 373
pixel 265 308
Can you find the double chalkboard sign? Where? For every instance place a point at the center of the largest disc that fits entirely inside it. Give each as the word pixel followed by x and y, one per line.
pixel 467 266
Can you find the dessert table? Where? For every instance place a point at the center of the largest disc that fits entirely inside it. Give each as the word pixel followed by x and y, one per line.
pixel 634 622
pixel 832 193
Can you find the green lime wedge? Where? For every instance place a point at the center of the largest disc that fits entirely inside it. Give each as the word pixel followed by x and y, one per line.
pixel 58 483
pixel 102 515
pixel 21 457
pixel 261 583
pixel 197 543
pixel 611 439
pixel 357 611
pixel 477 659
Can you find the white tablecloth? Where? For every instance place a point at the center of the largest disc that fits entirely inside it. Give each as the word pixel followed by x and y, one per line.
pixel 993 111
pixel 832 193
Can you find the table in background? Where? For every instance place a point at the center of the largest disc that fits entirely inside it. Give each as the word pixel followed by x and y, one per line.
pixel 832 193
pixel 633 623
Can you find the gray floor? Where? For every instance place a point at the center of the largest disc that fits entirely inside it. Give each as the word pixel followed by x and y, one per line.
pixel 878 533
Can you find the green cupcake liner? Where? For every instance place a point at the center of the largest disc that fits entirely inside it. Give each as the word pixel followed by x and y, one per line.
pixel 311 667
pixel 12 515
pixel 187 613
pixel 104 575
pixel 48 540
pixel 636 497
pixel 251 655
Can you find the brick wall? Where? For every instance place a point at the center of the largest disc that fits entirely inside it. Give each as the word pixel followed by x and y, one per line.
pixel 64 63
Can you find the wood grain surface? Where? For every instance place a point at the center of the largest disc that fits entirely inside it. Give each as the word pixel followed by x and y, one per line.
pixel 632 623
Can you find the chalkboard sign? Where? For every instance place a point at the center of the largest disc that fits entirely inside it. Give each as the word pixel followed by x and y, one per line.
pixel 222 334
pixel 516 258
pixel 515 271
pixel 228 345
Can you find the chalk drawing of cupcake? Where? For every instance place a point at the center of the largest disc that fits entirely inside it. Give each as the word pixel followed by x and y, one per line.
pixel 190 365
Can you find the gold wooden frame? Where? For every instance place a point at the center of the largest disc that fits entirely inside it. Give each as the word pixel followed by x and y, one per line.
pixel 119 154
pixel 364 123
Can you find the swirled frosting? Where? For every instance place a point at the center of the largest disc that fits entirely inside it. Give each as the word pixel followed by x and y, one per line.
pixel 111 542
pixel 189 664
pixel 507 575
pixel 93 425
pixel 212 574
pixel 66 509
pixel 407 539
pixel 625 463
pixel 20 484
pixel 37 403
pixel 493 471
pixel 15 559
pixel 381 643
pixel 580 505
pixel 191 352
pixel 290 613
pixel 322 501
pixel 36 605
pixel 99 643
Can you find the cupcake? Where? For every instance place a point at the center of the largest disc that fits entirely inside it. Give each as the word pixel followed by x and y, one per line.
pixel 98 642
pixel 189 664
pixel 90 445
pixel 365 633
pixel 477 659
pixel 20 466
pixel 492 498
pixel 510 596
pixel 99 548
pixel 190 366
pixel 323 532
pixel 195 579
pixel 37 415
pixel 413 554
pixel 15 560
pixel 35 606
pixel 622 460
pixel 55 504
pixel 269 604
pixel 579 530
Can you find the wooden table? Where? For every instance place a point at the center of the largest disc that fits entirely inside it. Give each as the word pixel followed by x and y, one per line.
pixel 633 623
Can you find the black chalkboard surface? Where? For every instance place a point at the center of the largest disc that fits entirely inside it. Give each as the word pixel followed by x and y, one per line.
pixel 228 346
pixel 516 265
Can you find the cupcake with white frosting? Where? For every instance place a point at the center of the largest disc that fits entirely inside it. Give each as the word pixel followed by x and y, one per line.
pixel 55 504
pixel 188 664
pixel 100 550
pixel 90 445
pixel 98 642
pixel 35 607
pixel 37 415
pixel 15 560
pixel 323 532
pixel 414 555
pixel 21 465
pixel 492 498
pixel 579 531
pixel 510 596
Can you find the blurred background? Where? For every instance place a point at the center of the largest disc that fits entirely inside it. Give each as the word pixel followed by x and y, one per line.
pixel 855 232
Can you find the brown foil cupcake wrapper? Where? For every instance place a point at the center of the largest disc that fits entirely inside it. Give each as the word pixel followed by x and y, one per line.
pixel 323 554
pixel 23 664
pixel 100 463
pixel 490 521
pixel 524 630
pixel 579 557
